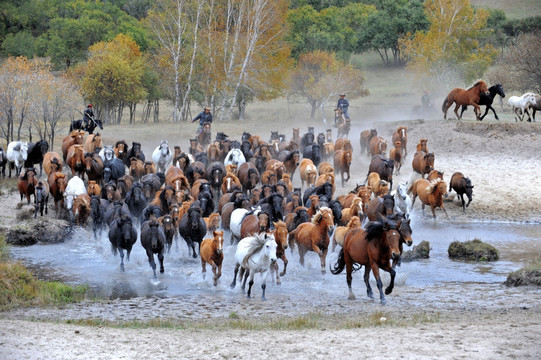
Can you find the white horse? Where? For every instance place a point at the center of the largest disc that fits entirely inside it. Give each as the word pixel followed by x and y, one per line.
pixel 234 157
pixel 75 187
pixel 255 254
pixel 16 154
pixel 107 153
pixel 162 156
pixel 522 103
pixel 402 202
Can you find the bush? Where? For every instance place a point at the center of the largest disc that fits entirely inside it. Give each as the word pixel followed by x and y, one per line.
pixel 528 275
pixel 473 250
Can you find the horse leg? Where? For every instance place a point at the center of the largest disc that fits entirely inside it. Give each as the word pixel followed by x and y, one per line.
pixel 375 270
pixel 284 259
pixel 234 282
pixel 389 289
pixel 250 284
pixel 121 251
pixel 204 267
pixel 151 262
pixel 477 110
pixel 302 251
pixel 322 257
pixel 246 275
pixel 160 258
pixel 464 107
pixel 217 273
pixel 456 111
pixel 264 283
pixel 445 211
pixel 366 277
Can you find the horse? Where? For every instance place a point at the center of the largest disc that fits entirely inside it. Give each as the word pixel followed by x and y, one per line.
pixel 254 254
pixel 522 103
pixel 57 186
pixel 384 167
pixel 107 153
pixel 192 227
pixel 93 188
pixel 153 241
pixel 465 97
pixel 135 199
pixel 536 106
pixel 356 209
pixel 401 134
pixel 98 208
pixel 379 187
pixel 215 174
pixel 237 212
pixel 169 230
pixel 26 183
pixel 16 155
pixel 42 198
pixel 342 162
pixel 272 204
pixel 206 203
pixel 340 232
pixel 122 235
pixel 423 163
pixel 212 222
pixel 35 154
pixel 121 150
pixel 396 155
pixel 124 184
pixel 421 146
pixel 229 183
pixel 380 207
pixel 75 137
pixel 116 209
pixel 430 192
pixel 338 117
pixel 487 100
pixel 51 163
pixel 92 142
pixel 377 146
pixel 134 151
pixel 365 137
pixel 235 157
pixel 212 252
pixel 343 129
pixel 75 160
pixel 290 159
pixel 461 185
pixel 93 166
pixel 325 189
pixel 312 152
pixel 374 248
pixel 113 170
pixel 402 202
pixel 164 198
pixel 254 224
pixel 404 229
pixel 204 138
pixel 136 168
pixel 308 172
pixel 151 184
pixel 110 192
pixel 162 156
pixel 81 209
pixel 3 162
pixel 91 125
pixel 314 235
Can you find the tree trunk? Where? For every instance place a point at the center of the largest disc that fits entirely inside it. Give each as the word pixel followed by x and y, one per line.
pixel 242 108
pixel 156 111
pixel 313 110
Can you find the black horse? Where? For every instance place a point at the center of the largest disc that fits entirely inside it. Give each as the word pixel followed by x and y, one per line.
pixel 42 197
pixel 206 202
pixel 122 235
pixel 151 184
pixel 151 212
pixel 192 227
pixel 323 189
pixel 35 154
pixel 90 127
pixel 98 208
pixel 153 240
pixel 116 210
pixel 487 100
pixel 336 209
pixel 136 200
pixel 312 152
pixel 272 205
pixel 113 170
pixel 307 139
pixel 3 162
pixel 246 149
pixel 134 151
pixel 215 174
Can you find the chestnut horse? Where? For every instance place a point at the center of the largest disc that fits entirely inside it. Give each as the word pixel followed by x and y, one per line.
pixel 396 155
pixel 229 183
pixel 92 142
pixel 57 186
pixel 75 137
pixel 314 235
pixel 465 97
pixel 377 146
pixel 430 192
pixel 212 252
pixel 401 134
pixel 205 137
pixel 365 137
pixel 81 209
pixel 26 183
pixel 248 176
pixel 374 248
pixel 280 235
pixel 121 150
pixel 75 159
pixel 308 172
pixel 342 162
pixel 423 163
pixel 93 188
pixel 254 224
pixel 339 233
pixel 51 163
pixel 421 146
pixel 380 207
pixel 93 166
pixel 137 168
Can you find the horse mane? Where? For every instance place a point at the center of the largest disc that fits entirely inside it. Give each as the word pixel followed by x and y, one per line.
pixel 256 242
pixel 374 230
pixel 433 184
pixel 319 214
pixel 478 83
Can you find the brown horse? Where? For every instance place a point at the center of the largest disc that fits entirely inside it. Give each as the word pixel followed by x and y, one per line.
pixel 380 207
pixel 248 176
pixel 137 168
pixel 195 147
pixel 254 224
pixel 379 187
pixel 343 144
pixel 308 172
pixel 340 232
pixel 365 137
pixel 280 235
pixel 232 169
pixel 421 146
pixel 26 183
pixel 401 134
pixel 150 167
pixel 93 188
pixel 328 151
pixel 378 146
pixel 277 167
pixel 204 137
pixel 291 160
pixel 430 192
pixel 384 167
pixel 93 166
pixel 57 186
pixel 211 252
pixel 396 155
pixel 286 180
pixel 212 222
pixel 374 248
pixel 423 163
pixel 75 137
pixel 342 162
pixel 75 160
pixel 92 142
pixel 110 192
pixel 213 152
pixel 269 177
pixel 314 236
pixel 465 97
pixel 51 163
pixel 81 209
pixel 343 129
pixel 125 183
pixel 356 209
pixel 229 183
pixel 325 168
pixel 121 150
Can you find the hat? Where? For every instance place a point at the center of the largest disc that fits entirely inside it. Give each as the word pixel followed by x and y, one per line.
pixel 342 94
pixel 207 108
pixel 89 105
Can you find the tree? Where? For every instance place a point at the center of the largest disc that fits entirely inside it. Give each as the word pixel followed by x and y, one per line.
pixel 319 78
pixel 524 63
pixel 451 48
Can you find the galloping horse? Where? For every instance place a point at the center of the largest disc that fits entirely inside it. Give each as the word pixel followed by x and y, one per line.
pixel 280 235
pixel 153 240
pixel 35 154
pixel 401 134
pixel 374 248
pixel 430 192
pixel 26 183
pixel 92 142
pixel 16 155
pixel 52 163
pixel 162 156
pixel 342 162
pixel 90 127
pixel 122 235
pixel 205 137
pixel 465 97
pixel 212 253
pixel 488 99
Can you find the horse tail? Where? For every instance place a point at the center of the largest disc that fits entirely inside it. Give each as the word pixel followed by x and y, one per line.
pixel 444 105
pixel 291 239
pixel 340 264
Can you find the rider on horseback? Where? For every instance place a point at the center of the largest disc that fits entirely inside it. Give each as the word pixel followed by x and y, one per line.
pixel 88 115
pixel 203 117
pixel 343 105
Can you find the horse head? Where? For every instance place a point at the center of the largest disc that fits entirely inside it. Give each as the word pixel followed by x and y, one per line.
pixel 388 204
pixel 136 149
pixel 194 217
pixel 263 221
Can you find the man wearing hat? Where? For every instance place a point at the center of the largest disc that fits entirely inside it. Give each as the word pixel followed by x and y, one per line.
pixel 203 117
pixel 343 105
pixel 88 115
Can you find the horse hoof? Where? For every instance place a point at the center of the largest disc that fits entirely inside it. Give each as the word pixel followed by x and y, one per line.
pixel 383 302
pixel 162 270
pixel 351 297
pixel 388 291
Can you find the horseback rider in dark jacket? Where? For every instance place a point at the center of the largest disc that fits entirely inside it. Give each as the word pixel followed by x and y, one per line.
pixel 343 105
pixel 88 115
pixel 203 117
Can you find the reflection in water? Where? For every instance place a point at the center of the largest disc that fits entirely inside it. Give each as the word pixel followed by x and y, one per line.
pixel 83 260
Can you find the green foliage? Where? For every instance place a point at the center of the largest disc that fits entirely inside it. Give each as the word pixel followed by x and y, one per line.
pixel 19 44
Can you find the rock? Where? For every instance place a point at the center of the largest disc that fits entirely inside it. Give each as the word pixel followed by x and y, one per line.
pixel 420 251
pixel 473 250
pixel 49 231
pixel 529 275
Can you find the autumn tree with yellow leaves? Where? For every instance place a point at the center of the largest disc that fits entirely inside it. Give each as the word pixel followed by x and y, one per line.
pixel 451 49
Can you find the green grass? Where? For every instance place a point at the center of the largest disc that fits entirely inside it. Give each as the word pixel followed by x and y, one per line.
pixel 514 9
pixel 19 287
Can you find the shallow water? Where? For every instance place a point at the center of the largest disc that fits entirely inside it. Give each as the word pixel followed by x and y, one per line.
pixel 84 260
